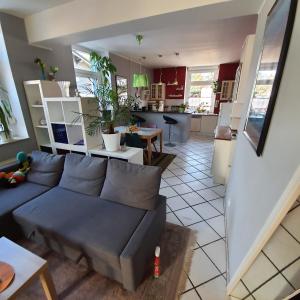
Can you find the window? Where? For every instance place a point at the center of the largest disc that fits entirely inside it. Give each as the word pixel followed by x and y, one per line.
pixel 85 76
pixel 199 92
pixel 263 88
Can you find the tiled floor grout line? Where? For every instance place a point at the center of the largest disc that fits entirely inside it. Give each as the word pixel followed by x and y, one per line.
pixel 279 270
pixel 211 279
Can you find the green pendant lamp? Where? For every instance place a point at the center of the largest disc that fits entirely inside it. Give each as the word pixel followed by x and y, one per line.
pixel 140 80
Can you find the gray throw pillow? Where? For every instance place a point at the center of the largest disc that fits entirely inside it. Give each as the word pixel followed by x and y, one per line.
pixel 83 174
pixel 131 184
pixel 45 168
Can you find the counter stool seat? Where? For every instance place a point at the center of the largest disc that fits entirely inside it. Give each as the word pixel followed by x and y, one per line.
pixel 170 122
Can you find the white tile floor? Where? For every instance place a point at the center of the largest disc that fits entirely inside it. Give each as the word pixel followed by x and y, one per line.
pixel 194 200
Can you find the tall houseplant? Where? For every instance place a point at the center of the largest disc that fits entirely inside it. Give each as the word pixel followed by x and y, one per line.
pixel 113 110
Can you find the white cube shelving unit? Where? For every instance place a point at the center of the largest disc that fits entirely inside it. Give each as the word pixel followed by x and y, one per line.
pixel 66 125
pixel 36 91
pixel 64 129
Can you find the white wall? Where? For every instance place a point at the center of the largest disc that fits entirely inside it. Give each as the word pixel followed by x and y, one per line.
pixel 256 183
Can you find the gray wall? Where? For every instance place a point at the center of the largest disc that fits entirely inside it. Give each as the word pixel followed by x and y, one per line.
pixel 21 56
pixel 256 183
pixel 127 68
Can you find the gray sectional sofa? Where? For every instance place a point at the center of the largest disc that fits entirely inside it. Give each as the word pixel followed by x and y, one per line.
pixel 107 214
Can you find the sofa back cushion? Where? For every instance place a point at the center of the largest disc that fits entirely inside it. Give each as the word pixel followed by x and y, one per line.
pixel 45 168
pixel 131 184
pixel 83 174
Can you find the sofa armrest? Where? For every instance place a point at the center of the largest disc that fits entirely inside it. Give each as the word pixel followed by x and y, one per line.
pixel 11 167
pixel 139 251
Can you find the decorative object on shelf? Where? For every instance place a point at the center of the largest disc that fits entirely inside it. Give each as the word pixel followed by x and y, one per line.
pixel 7 275
pixel 65 88
pixel 43 122
pixel 216 86
pixel 52 70
pixel 277 35
pixel 42 66
pixel 201 109
pixel 182 107
pixel 60 133
pixel 51 74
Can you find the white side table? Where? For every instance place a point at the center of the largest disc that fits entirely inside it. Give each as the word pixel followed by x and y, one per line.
pixel 132 155
pixel 27 267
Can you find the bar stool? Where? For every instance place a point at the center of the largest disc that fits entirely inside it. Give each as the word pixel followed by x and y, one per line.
pixel 139 120
pixel 170 122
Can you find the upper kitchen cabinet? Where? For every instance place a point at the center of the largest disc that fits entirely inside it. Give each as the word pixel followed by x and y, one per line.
pixel 174 80
pixel 226 79
pixel 158 91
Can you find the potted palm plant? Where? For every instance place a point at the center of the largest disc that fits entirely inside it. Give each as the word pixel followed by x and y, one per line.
pixel 113 110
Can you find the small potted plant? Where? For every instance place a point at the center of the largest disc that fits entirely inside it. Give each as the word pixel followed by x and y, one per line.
pixel 52 73
pixel 216 86
pixel 182 108
pixel 42 66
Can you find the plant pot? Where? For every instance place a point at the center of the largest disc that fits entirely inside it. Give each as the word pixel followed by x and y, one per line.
pixel 112 141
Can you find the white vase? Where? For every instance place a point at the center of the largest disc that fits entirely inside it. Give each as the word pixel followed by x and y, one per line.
pixel 112 141
pixel 65 88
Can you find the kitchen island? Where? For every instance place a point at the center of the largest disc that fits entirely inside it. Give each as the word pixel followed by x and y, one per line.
pixel 180 131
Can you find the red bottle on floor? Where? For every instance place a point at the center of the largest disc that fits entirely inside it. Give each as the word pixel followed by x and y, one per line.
pixel 157 262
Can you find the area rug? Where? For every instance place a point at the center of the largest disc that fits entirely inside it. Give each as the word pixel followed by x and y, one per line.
pixel 76 282
pixel 162 160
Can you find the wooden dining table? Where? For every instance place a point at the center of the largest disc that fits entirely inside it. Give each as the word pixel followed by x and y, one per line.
pixel 146 134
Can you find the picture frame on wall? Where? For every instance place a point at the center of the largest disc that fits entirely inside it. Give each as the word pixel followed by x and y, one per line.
pixel 121 87
pixel 277 35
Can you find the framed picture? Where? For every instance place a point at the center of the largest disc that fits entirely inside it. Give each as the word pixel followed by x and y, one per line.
pixel 276 40
pixel 122 87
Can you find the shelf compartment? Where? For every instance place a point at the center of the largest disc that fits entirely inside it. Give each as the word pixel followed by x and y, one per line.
pixel 55 111
pixel 72 112
pixel 60 133
pixel 75 135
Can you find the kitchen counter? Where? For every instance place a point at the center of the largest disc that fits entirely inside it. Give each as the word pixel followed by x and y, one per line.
pixel 204 123
pixel 199 115
pixel 160 112
pixel 180 131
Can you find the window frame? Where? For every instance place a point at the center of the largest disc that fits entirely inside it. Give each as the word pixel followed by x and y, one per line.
pixel 189 82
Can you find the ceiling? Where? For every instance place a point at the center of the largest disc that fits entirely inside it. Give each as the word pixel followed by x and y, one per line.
pixel 198 43
pixel 23 8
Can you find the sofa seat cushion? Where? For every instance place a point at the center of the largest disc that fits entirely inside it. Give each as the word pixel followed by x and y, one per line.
pixel 83 174
pixel 131 184
pixel 98 227
pixel 45 168
pixel 12 198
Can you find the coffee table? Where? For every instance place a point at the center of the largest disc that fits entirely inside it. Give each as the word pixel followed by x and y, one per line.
pixel 28 267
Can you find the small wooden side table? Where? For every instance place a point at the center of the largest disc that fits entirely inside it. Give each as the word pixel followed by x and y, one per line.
pixel 27 267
